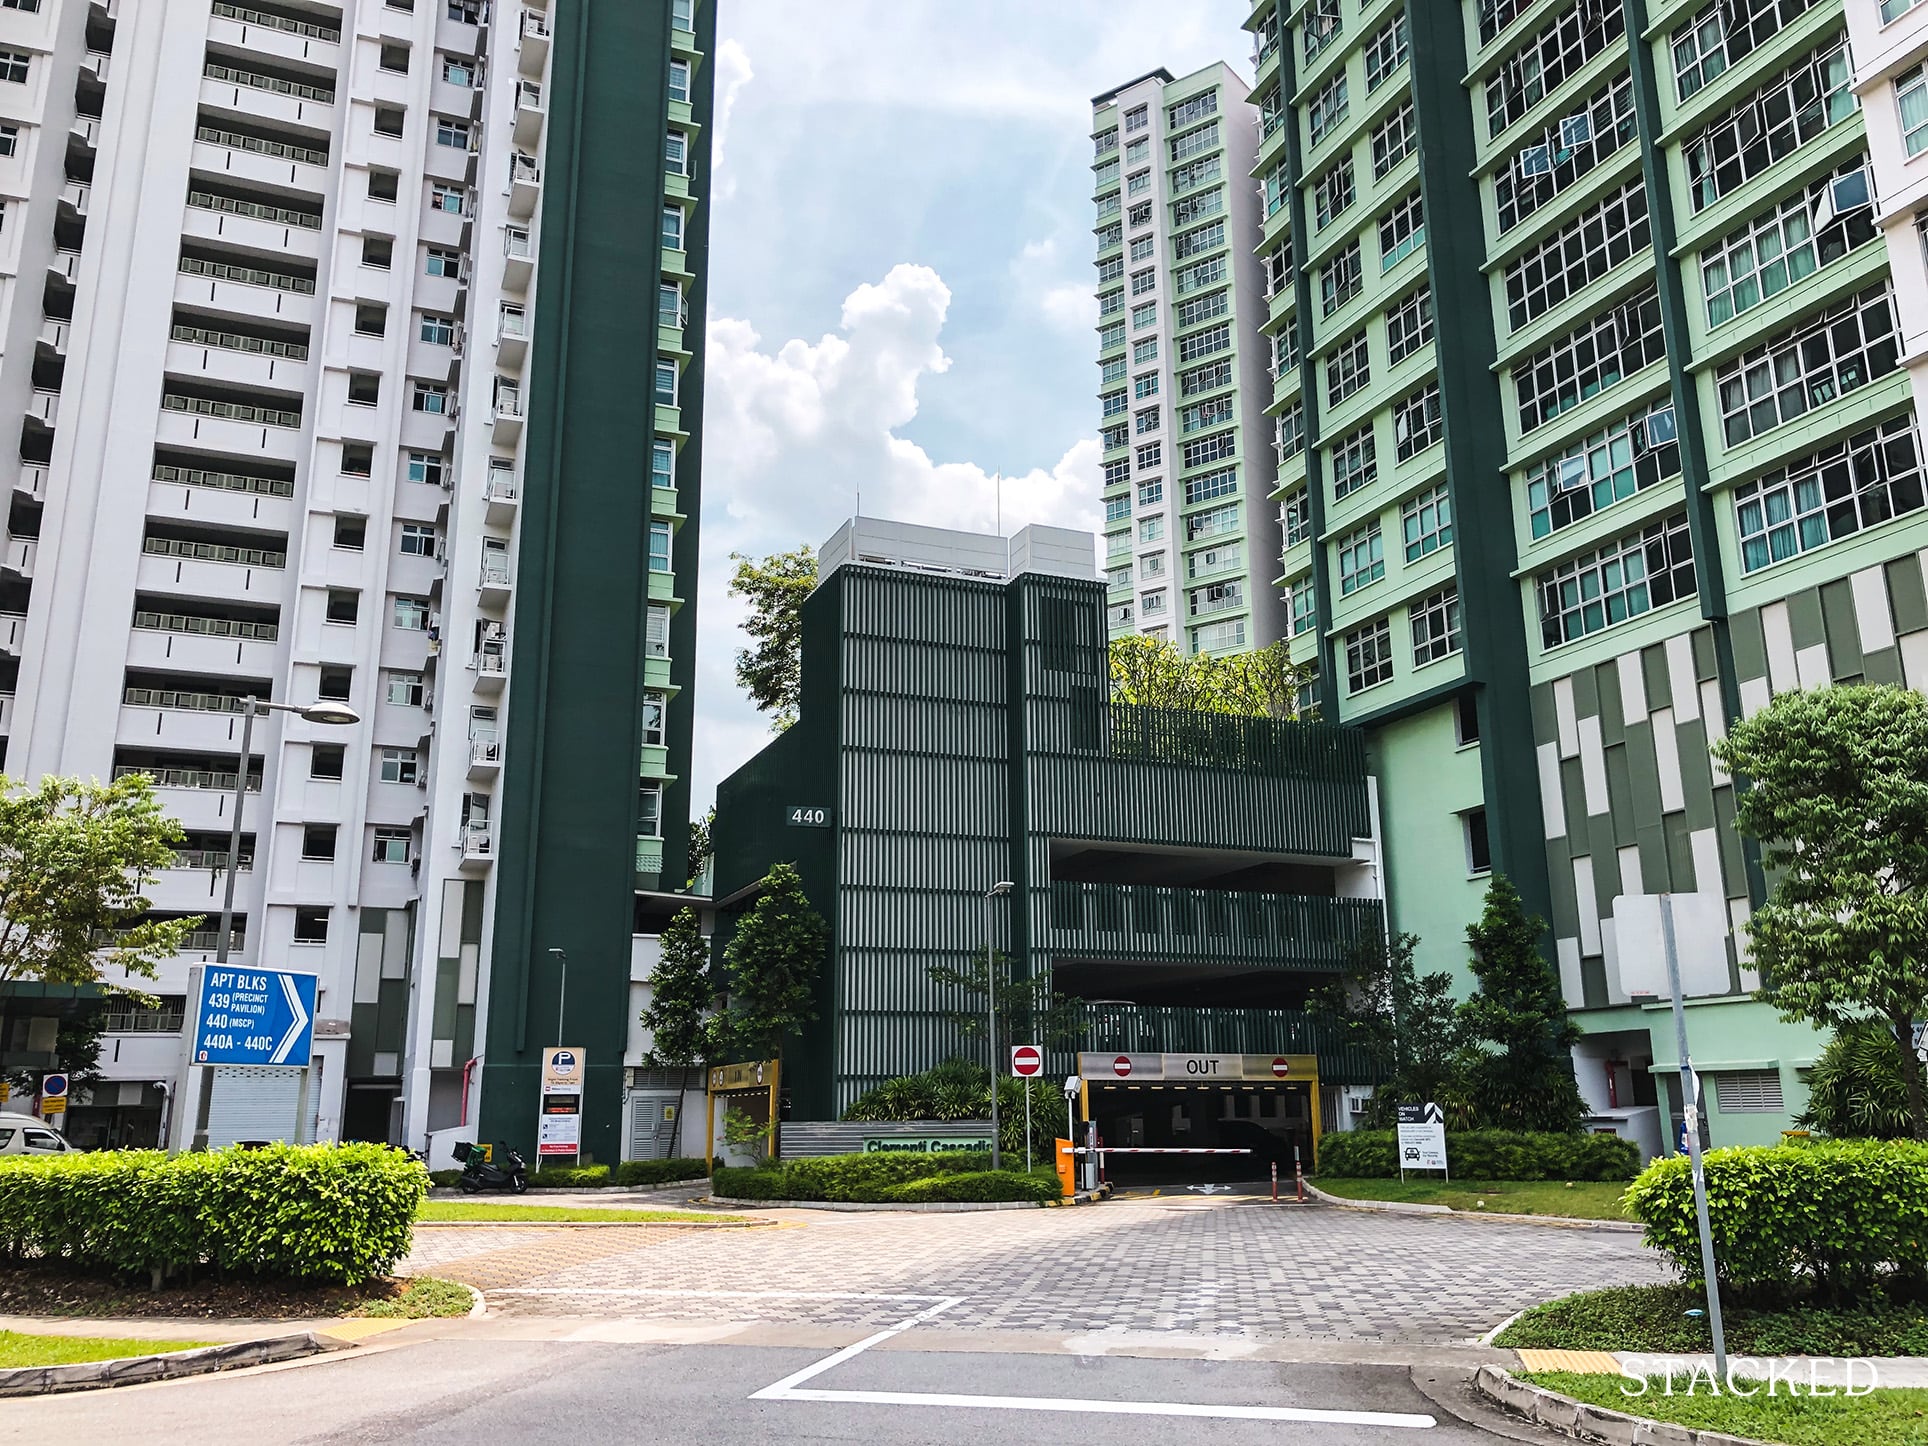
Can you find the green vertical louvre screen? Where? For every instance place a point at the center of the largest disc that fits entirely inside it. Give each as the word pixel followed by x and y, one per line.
pixel 1143 921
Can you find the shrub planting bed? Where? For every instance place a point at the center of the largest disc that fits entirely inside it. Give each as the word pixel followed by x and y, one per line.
pixel 1487 1155
pixel 885 1179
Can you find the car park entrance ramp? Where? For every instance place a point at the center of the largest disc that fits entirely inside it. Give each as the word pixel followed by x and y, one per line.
pixel 1182 1118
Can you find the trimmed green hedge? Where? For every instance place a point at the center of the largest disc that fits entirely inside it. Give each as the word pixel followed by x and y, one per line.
pixel 1836 1219
pixel 875 1179
pixel 569 1177
pixel 1486 1155
pixel 306 1212
pixel 660 1172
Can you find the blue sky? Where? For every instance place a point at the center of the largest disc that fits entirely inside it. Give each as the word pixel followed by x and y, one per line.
pixel 901 282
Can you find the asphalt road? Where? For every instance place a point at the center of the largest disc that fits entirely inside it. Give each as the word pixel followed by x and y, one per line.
pixel 494 1390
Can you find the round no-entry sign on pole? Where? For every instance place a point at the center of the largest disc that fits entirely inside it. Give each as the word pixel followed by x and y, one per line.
pixel 1281 1067
pixel 1121 1066
pixel 1026 1060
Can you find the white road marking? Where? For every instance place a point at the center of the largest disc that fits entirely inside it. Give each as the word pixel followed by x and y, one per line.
pixel 628 1290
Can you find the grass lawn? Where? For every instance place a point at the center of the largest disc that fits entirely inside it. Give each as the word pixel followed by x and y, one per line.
pixel 1654 1318
pixel 25 1350
pixel 1581 1200
pixel 421 1296
pixel 463 1210
pixel 1881 1418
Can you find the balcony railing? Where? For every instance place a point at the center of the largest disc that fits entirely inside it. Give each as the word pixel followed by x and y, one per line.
pixel 203 778
pixel 143 1021
pixel 254 80
pixel 276 22
pixel 188 702
pixel 234 341
pixel 1140 921
pixel 276 150
pixel 227 481
pixel 253 210
pixel 213 552
pixel 216 859
pixel 247 275
pixel 230 411
pixel 207 627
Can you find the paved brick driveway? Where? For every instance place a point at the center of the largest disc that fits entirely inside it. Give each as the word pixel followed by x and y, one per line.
pixel 1243 1270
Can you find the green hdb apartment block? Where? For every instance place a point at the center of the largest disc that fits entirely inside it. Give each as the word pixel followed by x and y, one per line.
pixel 1592 428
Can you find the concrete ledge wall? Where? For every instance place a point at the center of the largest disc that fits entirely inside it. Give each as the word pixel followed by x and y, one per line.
pixel 809 1139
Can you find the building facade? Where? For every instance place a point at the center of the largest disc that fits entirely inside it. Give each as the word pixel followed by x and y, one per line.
pixel 1192 875
pixel 276 309
pixel 1597 452
pixel 1190 530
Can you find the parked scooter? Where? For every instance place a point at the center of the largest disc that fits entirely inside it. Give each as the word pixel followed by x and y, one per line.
pixel 479 1173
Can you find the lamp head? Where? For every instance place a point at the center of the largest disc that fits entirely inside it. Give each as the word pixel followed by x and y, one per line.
pixel 327 711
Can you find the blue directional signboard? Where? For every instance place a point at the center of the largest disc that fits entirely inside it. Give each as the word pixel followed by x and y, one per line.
pixel 254 1016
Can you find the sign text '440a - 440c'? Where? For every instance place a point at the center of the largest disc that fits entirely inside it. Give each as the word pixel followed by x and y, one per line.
pixel 255 1016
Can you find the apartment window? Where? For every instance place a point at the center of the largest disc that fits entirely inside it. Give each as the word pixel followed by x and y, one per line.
pixel 1727 31
pixel 672 228
pixel 371 318
pixel 1285 347
pixel 1836 492
pixel 676 153
pixel 1783 115
pixel 1770 254
pixel 411 614
pixel 383 185
pixel 1112 235
pixel 1323 23
pixel 1205 343
pixel 1290 439
pixel 1568 149
pixel 9 140
pixel 679 81
pixel 391 845
pixel 466 12
pixel 1198 173
pixel 399 765
pixel 440 261
pixel 1150 529
pixel 1212 522
pixel 431 397
pixel 364 389
pixel 1206 450
pixel 427 467
pixel 1137 119
pixel 451 133
pixel 1354 462
pixel 1111 336
pixel 1143 246
pixel 1426 522
pixel 1417 423
pixel 14 65
pixel 1332 194
pixel 325 760
pixel 438 330
pixel 1218 637
pixel 31 7
pixel 458 72
pixel 377 252
pixel 311 925
pixel 1302 602
pixel 1194 143
pixel 351 533
pixel 1204 308
pixel 417 540
pixel 1113 404
pixel 1362 558
pixel 1111 302
pixel 1218 597
pixel 1393 139
pixel 1144 386
pixel 1141 215
pixel 1538 67
pixel 1143 281
pixel 344 605
pixel 666 383
pixel 656 631
pixel 1196 208
pixel 1479 849
pixel 357 459
pixel 1136 153
pixel 1435 626
pixel 1579 254
pixel 1196 107
pixel 1409 325
pixel 1112 369
pixel 1295 516
pixel 1144 316
pixel 1348 370
pixel 655 706
pixel 1198 242
pixel 1211 484
pixel 1215 413
pixel 337 682
pixel 1810 365
pixel 389 120
pixel 404 690
pixel 1622 580
pixel 1369 656
pixel 1143 352
pixel 1586 361
pixel 318 841
pixel 1117 474
pixel 1401 232
pixel 1277 265
pixel 1386 51
pixel 1623 458
pixel 659 546
pixel 1145 421
pixel 1111 269
pixel 682 15
pixel 1150 603
pixel 662 464
pixel 1208 378
pixel 1895 9
pixel 1152 565
pixel 1340 280
pixel 451 200
pixel 1151 493
pixel 1327 109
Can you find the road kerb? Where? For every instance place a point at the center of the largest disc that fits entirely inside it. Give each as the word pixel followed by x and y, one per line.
pixel 1589 1422
pixel 172 1365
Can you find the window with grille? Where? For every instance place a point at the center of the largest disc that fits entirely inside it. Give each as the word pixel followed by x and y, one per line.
pixel 1139 215
pixel 1393 139
pixel 1111 269
pixel 1362 558
pixel 1623 458
pixel 1200 275
pixel 1771 253
pixel 1586 361
pixel 1188 209
pixel 1417 423
pixel 1836 492
pixel 1218 597
pixel 1111 438
pixel 1145 421
pixel 1348 370
pixel 1340 280
pixel 1196 243
pixel 1426 522
pixel 1748 1092
pixel 1194 143
pixel 1354 462
pixel 1327 109
pixel 1295 516
pixel 1435 626
pixel 1402 232
pixel 1211 484
pixel 1291 432
pixel 1386 51
pixel 1207 378
pixel 1215 448
pixel 1556 159
pixel 1204 343
pixel 1110 236
pixel 1204 308
pixel 1212 522
pixel 1192 108
pixel 1820 359
pixel 1723 34
pixel 1331 194
pixel 1217 412
pixel 1369 656
pixel 1625 578
pixel 1409 325
pixel 1198 173
pixel 1538 67
pixel 1579 254
pixel 1770 125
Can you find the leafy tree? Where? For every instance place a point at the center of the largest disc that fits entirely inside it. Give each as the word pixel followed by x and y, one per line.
pixel 773 960
pixel 744 1131
pixel 1029 1010
pixel 1521 1077
pixel 1837 794
pixel 76 1051
pixel 1154 673
pixel 771 671
pixel 1408 1025
pixel 701 846
pixel 74 858
pixel 1855 1089
pixel 681 1002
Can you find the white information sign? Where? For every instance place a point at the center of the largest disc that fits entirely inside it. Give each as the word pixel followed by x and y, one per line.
pixel 1422 1137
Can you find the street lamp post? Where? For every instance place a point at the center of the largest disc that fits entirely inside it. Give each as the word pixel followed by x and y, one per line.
pixel 997 890
pixel 334 714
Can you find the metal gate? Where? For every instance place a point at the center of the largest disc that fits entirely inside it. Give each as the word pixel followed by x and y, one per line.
pixel 258 1103
pixel 653 1122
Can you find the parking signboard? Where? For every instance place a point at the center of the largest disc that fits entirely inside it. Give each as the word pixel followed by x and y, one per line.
pixel 1422 1138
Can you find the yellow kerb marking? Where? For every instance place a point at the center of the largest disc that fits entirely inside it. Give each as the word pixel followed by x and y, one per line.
pixel 361 1329
pixel 1586 1363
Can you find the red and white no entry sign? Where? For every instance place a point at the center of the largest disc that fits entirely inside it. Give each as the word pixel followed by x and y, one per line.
pixel 1281 1067
pixel 1121 1066
pixel 1026 1060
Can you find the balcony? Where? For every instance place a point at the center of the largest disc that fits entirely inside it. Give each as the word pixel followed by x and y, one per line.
pixel 485 758
pixel 201 780
pixel 1152 922
pixel 64 266
pixel 491 665
pixel 44 404
pixel 499 496
pixel 18 556
pixel 53 334
pixel 528 113
pixel 525 185
pixel 511 336
pixel 264 162
pixel 493 586
pixel 74 199
pixel 477 842
pixel 255 93
pixel 31 482
pixel 253 30
pixel 13 633
pixel 86 130
pixel 506 420
pixel 213 552
pixel 532 55
pixel 518 258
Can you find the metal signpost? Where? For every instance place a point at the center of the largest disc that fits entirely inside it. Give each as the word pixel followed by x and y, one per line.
pixel 1422 1139
pixel 1690 1116
pixel 254 1017
pixel 53 1096
pixel 559 1121
pixel 1027 1062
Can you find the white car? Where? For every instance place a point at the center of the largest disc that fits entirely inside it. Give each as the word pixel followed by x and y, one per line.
pixel 29 1135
